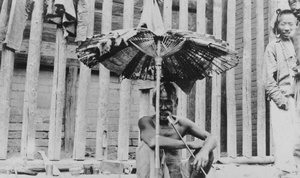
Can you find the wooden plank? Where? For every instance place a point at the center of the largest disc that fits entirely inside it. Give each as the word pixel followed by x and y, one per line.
pixel 246 87
pixel 273 6
pixel 245 160
pixel 145 104
pixel 6 75
pixel 260 73
pixel 84 80
pixel 31 83
pixel 230 84
pixel 167 14
pixel 182 97
pixel 58 96
pixel 70 108
pixel 216 81
pixel 125 93
pixel 102 128
pixel 200 98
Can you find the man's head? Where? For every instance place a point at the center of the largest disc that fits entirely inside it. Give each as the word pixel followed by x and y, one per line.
pixel 285 24
pixel 168 99
pixel 295 7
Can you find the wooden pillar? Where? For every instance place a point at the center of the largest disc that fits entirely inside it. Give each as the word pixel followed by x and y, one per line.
pixel 216 81
pixel 125 93
pixel 58 96
pixel 246 86
pixel 167 14
pixel 6 74
pixel 145 104
pixel 200 98
pixel 104 76
pixel 260 74
pixel 182 97
pixel 230 84
pixel 84 80
pixel 70 115
pixel 31 83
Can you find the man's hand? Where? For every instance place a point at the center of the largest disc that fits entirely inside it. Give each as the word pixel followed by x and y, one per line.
pixel 285 105
pixel 201 160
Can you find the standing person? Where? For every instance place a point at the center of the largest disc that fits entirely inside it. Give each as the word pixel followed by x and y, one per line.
pixel 170 143
pixel 280 58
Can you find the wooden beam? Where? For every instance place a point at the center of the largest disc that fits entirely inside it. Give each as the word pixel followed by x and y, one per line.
pixel 230 84
pixel 6 75
pixel 84 80
pixel 260 74
pixel 245 160
pixel 72 77
pixel 182 97
pixel 58 96
pixel 145 104
pixel 125 93
pixel 246 86
pixel 200 98
pixel 31 83
pixel 216 81
pixel 102 127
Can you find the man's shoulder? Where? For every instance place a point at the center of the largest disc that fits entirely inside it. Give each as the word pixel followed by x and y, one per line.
pixel 145 119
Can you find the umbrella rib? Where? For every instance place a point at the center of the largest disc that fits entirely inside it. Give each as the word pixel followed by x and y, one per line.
pixel 197 63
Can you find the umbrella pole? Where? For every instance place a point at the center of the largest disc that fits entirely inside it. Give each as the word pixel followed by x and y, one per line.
pixel 158 61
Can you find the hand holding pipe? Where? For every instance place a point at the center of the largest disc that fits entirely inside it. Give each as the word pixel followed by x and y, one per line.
pixel 188 148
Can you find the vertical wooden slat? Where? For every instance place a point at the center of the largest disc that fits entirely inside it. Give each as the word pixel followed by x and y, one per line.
pixel 6 74
pixel 230 84
pixel 145 104
pixel 200 98
pixel 70 108
pixel 261 104
pixel 182 97
pixel 246 86
pixel 58 96
pixel 216 81
pixel 31 83
pixel 104 76
pixel 84 79
pixel 273 6
pixel 167 14
pixel 125 93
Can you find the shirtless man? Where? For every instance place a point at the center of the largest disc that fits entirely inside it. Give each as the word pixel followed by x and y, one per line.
pixel 171 143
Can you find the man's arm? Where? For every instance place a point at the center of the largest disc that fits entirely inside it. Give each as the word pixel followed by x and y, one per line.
pixel 147 130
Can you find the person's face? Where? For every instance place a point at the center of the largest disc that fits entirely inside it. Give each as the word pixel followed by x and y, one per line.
pixel 166 105
pixel 295 7
pixel 287 25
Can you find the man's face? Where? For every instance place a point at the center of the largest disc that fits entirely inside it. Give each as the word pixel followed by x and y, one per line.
pixel 287 25
pixel 166 105
pixel 295 7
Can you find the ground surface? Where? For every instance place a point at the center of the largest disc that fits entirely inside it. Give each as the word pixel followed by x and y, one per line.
pixel 219 171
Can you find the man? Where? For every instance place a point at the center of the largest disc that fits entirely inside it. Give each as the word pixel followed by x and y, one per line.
pixel 170 143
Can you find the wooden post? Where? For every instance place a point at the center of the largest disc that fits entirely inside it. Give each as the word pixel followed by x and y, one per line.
pixel 104 76
pixel 145 104
pixel 230 84
pixel 216 81
pixel 70 108
pixel 200 98
pixel 6 74
pixel 182 97
pixel 31 83
pixel 58 96
pixel 167 14
pixel 84 80
pixel 125 93
pixel 260 74
pixel 246 87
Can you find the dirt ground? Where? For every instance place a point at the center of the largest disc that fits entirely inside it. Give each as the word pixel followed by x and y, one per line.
pixel 219 171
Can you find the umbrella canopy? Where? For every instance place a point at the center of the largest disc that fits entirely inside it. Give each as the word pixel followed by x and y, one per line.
pixel 186 56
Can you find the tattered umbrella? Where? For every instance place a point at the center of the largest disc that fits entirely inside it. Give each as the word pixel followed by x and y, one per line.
pixel 149 53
